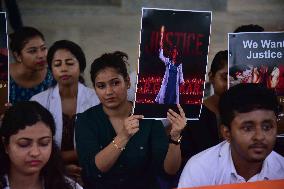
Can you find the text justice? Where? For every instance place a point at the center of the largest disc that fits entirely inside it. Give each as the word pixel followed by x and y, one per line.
pixel 190 43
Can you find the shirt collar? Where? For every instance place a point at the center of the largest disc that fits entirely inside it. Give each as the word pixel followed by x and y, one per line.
pixel 262 175
pixel 233 171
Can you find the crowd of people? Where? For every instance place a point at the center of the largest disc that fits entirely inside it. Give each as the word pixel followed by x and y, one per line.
pixel 58 133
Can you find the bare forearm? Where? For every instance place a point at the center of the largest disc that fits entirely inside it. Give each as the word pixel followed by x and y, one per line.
pixel 106 158
pixel 172 161
pixel 69 156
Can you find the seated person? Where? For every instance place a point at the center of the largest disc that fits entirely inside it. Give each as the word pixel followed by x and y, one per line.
pixel 248 115
pixel 29 155
pixel 115 148
pixel 68 97
pixel 205 132
pixel 29 75
pixel 275 81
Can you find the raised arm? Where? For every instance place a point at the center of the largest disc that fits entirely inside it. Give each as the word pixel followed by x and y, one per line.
pixel 162 37
pixel 94 159
pixel 161 51
pixel 172 161
pixel 107 157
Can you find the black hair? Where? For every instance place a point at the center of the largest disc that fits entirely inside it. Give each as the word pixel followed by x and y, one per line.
pixel 20 37
pixel 246 97
pixel 249 28
pixel 75 49
pixel 18 117
pixel 220 60
pixel 116 60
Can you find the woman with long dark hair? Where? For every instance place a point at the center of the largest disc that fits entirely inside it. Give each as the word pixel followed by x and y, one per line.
pixel 29 155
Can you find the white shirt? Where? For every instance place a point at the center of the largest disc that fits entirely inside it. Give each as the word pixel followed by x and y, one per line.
pixel 51 100
pixel 215 166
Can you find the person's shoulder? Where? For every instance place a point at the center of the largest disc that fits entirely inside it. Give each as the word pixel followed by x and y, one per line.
pixel 42 96
pixel 275 165
pixel 89 95
pixel 90 119
pixel 87 90
pixel 201 168
pixel 90 113
pixel 276 156
pixel 276 160
pixel 208 105
pixel 93 109
pixel 92 95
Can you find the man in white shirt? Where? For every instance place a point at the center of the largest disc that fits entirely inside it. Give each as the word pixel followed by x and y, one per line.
pixel 248 114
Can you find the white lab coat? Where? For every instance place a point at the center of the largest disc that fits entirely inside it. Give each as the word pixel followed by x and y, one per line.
pixel 51 100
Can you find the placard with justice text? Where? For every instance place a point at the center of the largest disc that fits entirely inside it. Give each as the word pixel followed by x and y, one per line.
pixel 172 61
pixel 258 57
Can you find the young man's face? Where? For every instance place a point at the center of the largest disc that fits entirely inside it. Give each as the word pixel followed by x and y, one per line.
pixel 252 135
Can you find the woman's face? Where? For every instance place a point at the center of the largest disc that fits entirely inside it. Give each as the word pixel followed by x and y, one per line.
pixel 220 80
pixel 111 88
pixel 29 150
pixel 65 67
pixel 33 54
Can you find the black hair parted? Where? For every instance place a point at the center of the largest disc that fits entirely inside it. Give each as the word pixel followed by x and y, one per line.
pixel 220 60
pixel 117 60
pixel 26 114
pixel 246 97
pixel 20 37
pixel 249 28
pixel 75 49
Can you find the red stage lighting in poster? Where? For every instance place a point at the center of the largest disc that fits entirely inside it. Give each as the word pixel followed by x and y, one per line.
pixel 172 63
